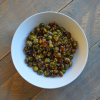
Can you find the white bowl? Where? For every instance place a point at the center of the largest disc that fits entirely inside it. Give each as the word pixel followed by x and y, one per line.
pixel 18 44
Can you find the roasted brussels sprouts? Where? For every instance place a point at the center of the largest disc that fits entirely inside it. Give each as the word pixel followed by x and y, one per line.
pixel 50 49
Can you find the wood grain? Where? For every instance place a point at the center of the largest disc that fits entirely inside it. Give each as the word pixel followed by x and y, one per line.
pixel 6 69
pixel 94 94
pixel 82 86
pixel 2 1
pixel 12 85
pixel 16 88
pixel 14 12
pixel 87 14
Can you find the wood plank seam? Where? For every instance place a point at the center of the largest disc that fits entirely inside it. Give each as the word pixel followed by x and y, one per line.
pixel 57 11
pixel 98 98
pixel 38 94
pixel 44 89
pixel 5 55
pixel 93 88
pixel 30 2
pixel 93 92
pixel 65 6
pixel 89 49
pixel 10 50
pixel 7 11
pixel 2 2
pixel 8 79
pixel 93 45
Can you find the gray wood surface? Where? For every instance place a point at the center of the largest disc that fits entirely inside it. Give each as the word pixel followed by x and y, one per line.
pixel 82 88
pixel 7 69
pixel 14 12
pixel 86 13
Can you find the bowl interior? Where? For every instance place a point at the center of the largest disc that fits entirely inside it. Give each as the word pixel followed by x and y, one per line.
pixel 18 44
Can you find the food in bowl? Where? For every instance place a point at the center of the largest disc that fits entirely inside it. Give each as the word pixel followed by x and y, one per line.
pixel 80 56
pixel 49 49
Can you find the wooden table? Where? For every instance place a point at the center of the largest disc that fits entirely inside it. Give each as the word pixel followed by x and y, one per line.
pixel 86 13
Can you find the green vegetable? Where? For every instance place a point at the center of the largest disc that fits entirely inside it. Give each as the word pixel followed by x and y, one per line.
pixel 49 49
pixel 58 55
pixel 26 60
pixel 67 53
pixel 45 35
pixel 35 68
pixel 54 33
pixel 30 58
pixel 40 72
pixel 64 71
pixel 55 71
pixel 55 38
pixel 74 43
pixel 46 73
pixel 50 44
pixel 71 56
pixel 44 30
pixel 35 41
pixel 66 67
pixel 37 29
pixel 53 67
pixel 32 33
pixel 56 49
pixel 67 60
pixel 32 37
pixel 50 37
pixel 73 50
pixel 62 29
pixel 29 43
pixel 30 64
pixel 47 60
pixel 41 55
pixel 41 25
pixel 70 63
pixel 47 27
